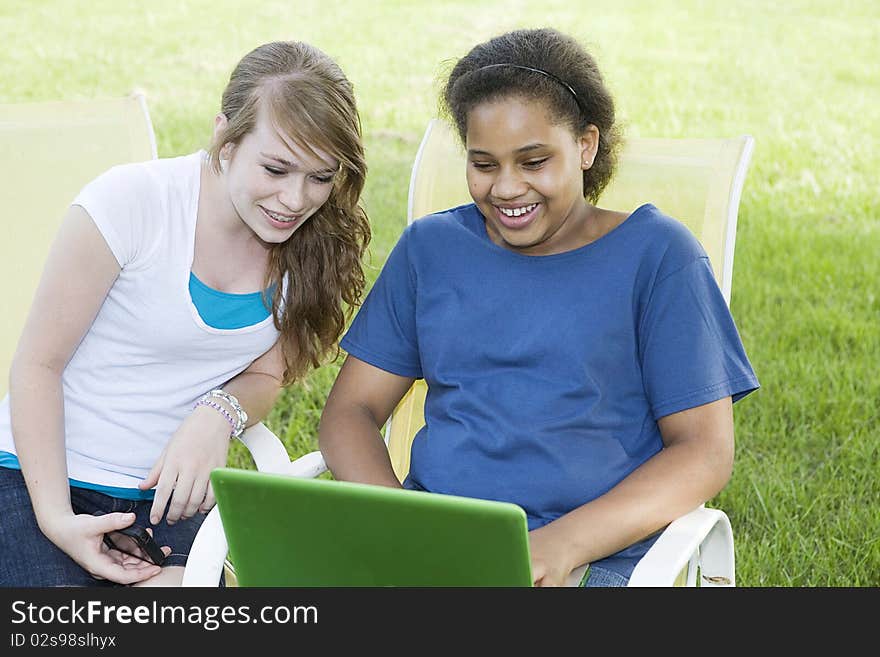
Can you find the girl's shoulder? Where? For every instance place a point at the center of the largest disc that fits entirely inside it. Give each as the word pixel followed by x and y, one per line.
pixel 444 225
pixel 182 170
pixel 141 180
pixel 665 234
pixel 134 204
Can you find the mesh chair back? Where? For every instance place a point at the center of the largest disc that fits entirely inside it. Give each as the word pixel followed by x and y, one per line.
pixel 49 151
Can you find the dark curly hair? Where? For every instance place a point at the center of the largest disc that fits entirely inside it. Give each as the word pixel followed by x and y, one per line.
pixel 309 99
pixel 574 91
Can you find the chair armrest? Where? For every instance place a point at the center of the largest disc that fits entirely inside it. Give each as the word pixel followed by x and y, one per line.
pixel 270 454
pixel 702 536
pixel 267 450
pixel 204 565
pixel 308 466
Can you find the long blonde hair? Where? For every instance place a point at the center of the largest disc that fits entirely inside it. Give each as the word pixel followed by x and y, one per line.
pixel 312 102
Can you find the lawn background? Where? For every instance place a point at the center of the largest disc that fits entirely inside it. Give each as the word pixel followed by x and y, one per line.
pixel 802 77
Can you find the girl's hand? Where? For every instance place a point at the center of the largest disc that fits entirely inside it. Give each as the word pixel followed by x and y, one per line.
pixel 183 470
pixel 550 560
pixel 81 537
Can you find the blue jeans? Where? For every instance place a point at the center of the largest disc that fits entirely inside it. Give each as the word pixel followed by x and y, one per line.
pixel 28 558
pixel 598 576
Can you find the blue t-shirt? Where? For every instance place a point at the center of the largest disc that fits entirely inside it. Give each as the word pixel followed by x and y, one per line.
pixel 547 374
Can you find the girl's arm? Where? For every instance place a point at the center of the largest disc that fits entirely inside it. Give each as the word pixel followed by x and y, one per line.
pixel 694 465
pixel 79 272
pixel 201 443
pixel 258 387
pixel 350 434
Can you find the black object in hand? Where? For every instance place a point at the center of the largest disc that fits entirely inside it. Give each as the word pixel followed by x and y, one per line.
pixel 137 542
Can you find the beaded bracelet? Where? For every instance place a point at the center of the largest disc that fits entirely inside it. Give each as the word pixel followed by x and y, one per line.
pixel 204 401
pixel 232 400
pixel 239 422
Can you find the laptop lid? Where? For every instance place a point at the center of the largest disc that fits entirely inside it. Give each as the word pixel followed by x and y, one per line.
pixel 290 531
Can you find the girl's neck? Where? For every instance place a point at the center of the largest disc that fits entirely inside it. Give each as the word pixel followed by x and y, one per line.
pixel 585 224
pixel 577 230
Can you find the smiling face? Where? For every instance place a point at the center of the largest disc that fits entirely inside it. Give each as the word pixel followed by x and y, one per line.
pixel 273 183
pixel 525 173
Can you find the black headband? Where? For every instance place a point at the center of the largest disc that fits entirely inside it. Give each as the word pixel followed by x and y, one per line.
pixel 535 70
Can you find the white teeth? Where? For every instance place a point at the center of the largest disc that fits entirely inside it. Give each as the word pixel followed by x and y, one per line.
pixel 518 212
pixel 279 217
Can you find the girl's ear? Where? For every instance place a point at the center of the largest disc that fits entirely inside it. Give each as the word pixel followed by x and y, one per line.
pixel 589 145
pixel 220 122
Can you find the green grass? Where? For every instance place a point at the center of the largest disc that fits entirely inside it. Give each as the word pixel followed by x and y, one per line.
pixel 801 77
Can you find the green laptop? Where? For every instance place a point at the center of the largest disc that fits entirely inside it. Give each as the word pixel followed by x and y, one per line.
pixel 290 531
